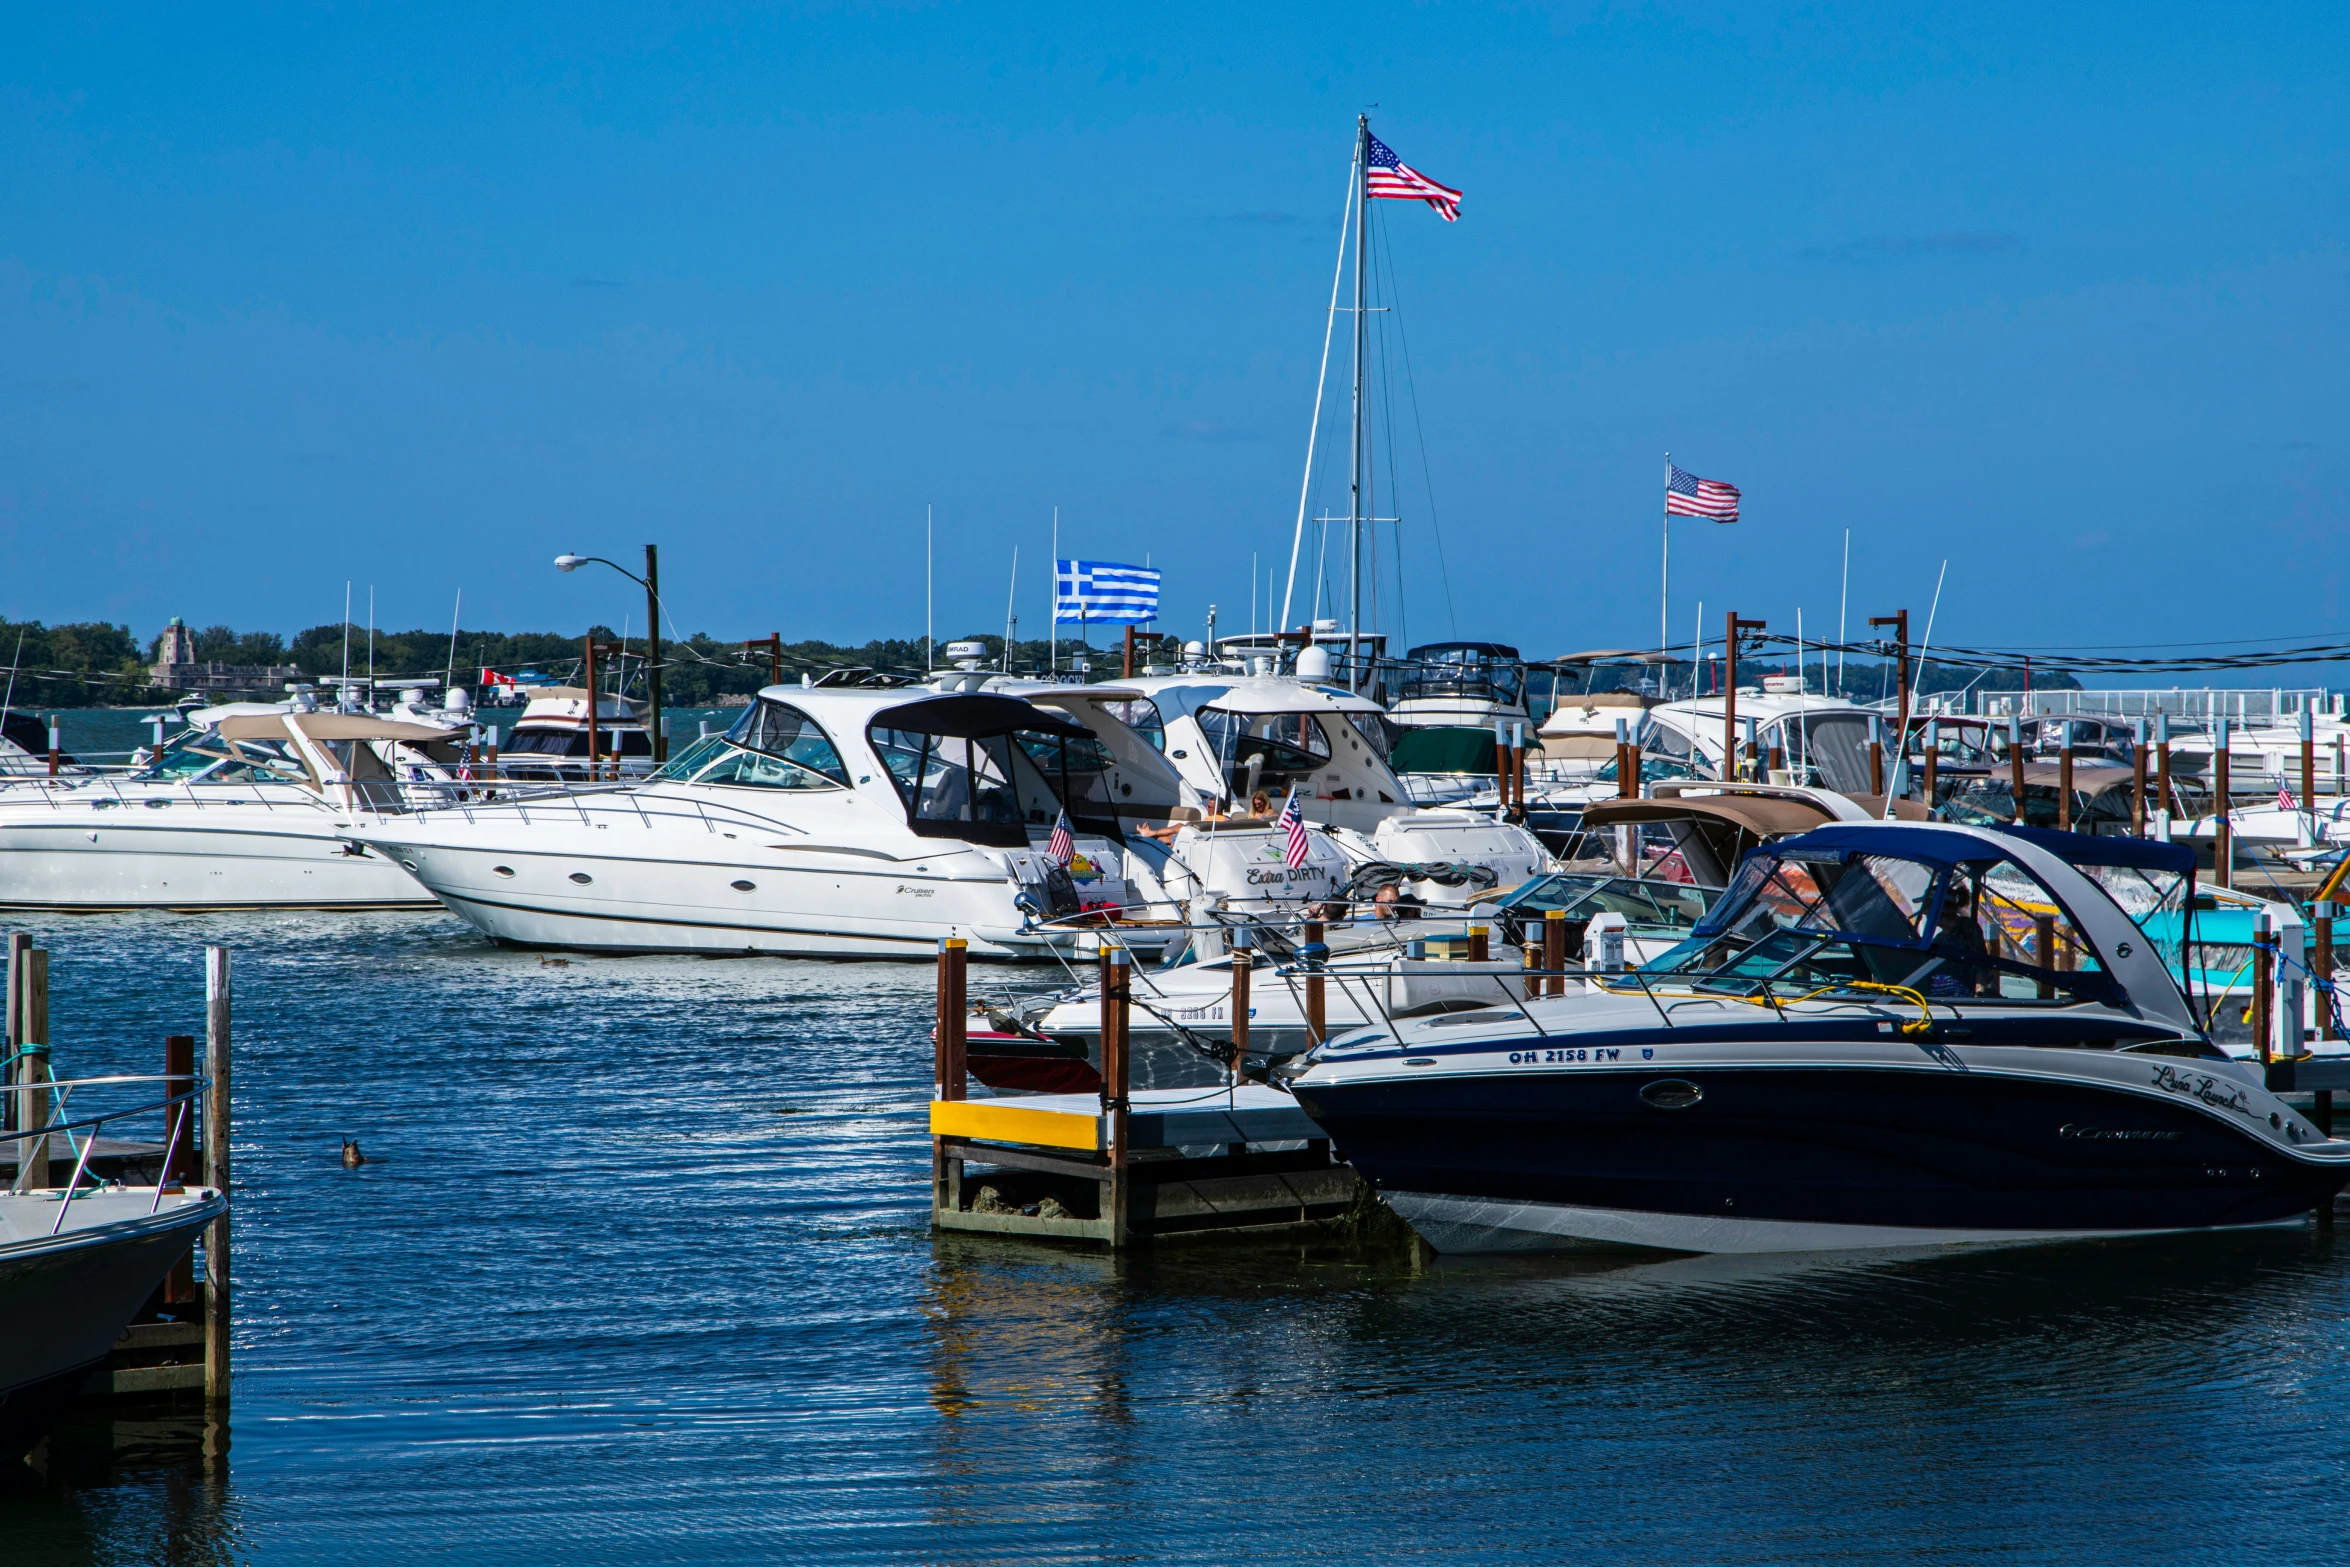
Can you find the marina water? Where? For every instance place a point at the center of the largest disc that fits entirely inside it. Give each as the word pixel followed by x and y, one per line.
pixel 638 1271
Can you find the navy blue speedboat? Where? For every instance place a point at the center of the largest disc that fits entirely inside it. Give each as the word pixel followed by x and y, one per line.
pixel 1881 1035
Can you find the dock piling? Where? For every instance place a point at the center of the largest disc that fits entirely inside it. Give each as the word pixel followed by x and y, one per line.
pixel 2223 849
pixel 1313 952
pixel 1117 1097
pixel 2064 788
pixel 1478 950
pixel 2015 764
pixel 216 1176
pixel 2264 978
pixel 179 1125
pixel 1554 951
pixel 2138 782
pixel 950 1061
pixel 2321 962
pixel 1244 963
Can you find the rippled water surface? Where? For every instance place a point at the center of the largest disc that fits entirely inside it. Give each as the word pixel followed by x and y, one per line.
pixel 638 1273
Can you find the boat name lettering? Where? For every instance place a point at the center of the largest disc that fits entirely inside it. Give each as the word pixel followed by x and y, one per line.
pixel 1284 877
pixel 1555 1057
pixel 918 892
pixel 2102 1134
pixel 2197 1085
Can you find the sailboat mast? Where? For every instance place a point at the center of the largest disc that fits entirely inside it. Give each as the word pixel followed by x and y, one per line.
pixel 1354 491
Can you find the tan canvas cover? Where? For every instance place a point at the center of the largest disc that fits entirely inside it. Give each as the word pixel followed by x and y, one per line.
pixel 1715 832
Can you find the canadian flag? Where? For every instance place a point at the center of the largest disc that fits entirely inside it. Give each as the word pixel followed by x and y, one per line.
pixel 490 677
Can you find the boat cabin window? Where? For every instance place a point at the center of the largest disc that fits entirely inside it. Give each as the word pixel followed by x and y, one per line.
pixel 1286 742
pixel 1814 920
pixel 212 760
pixel 1834 746
pixel 1142 716
pixel 574 742
pixel 1379 732
pixel 1078 770
pixel 979 789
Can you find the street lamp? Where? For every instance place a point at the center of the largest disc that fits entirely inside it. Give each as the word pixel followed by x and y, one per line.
pixel 651 583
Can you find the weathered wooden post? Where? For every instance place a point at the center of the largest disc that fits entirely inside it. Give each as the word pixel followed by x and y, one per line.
pixel 56 746
pixel 1315 951
pixel 1478 951
pixel 217 1294
pixel 2064 788
pixel 179 1146
pixel 950 1053
pixel 2162 789
pixel 1501 766
pixel 2044 952
pixel 1876 754
pixel 590 670
pixel 2321 960
pixel 1933 757
pixel 1117 1075
pixel 2223 852
pixel 1554 951
pixel 28 971
pixel 1126 665
pixel 2308 776
pixel 2138 782
pixel 1533 955
pixel 2264 978
pixel 2015 765
pixel 1518 766
pixel 1244 964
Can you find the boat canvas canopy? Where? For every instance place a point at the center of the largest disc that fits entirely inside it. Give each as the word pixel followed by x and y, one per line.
pixel 975 716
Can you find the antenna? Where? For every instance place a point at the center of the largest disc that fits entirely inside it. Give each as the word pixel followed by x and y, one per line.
pixel 926 590
pixel 1011 620
pixel 450 677
pixel 343 691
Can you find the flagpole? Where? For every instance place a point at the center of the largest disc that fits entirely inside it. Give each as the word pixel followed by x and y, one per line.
pixel 1052 617
pixel 1664 602
pixel 1843 594
pixel 1354 489
pixel 1355 174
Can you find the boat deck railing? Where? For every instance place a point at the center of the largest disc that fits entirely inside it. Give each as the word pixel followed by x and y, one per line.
pixel 39 1111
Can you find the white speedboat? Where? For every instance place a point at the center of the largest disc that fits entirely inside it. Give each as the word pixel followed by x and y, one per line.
pixel 246 810
pixel 827 822
pixel 1882 1035
pixel 550 741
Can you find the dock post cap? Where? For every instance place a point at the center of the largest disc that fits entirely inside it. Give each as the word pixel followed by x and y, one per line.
pixel 1555 914
pixel 951 943
pixel 1116 957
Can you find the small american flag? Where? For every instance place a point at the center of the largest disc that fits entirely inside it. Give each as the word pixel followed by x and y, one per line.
pixel 2285 800
pixel 1390 178
pixel 1294 824
pixel 1686 495
pixel 1063 846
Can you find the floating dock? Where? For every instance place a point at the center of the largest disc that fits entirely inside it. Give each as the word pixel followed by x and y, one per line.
pixel 1120 1168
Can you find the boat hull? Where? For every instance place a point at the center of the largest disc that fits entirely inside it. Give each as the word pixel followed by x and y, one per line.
pixel 64 1300
pixel 205 857
pixel 1774 1158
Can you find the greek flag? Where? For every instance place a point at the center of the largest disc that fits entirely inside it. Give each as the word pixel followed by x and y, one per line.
pixel 1100 591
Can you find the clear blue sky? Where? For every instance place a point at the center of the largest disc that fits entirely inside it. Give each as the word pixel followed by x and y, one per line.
pixel 421 297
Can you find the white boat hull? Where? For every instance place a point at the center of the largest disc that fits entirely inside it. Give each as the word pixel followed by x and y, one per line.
pixel 190 855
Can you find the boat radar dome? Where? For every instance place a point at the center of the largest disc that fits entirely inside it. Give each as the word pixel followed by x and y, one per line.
pixel 1313 662
pixel 459 700
pixel 1195 648
pixel 1325 625
pixel 966 655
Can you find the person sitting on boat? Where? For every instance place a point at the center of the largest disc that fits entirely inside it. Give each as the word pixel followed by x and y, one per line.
pixel 1966 968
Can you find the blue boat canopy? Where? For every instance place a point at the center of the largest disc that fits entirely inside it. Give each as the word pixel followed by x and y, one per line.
pixel 2080 848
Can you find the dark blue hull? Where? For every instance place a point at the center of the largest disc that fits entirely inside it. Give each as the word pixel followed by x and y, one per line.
pixel 1977 1152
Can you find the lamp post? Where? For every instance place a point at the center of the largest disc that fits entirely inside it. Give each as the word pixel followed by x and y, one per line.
pixel 651 583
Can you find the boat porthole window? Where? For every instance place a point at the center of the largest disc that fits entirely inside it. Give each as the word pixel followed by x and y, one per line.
pixel 1182 755
pixel 1671 1093
pixel 506 871
pixel 582 877
pixel 744 886
pixel 408 864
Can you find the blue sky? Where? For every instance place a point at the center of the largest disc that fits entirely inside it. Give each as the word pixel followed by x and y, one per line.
pixel 419 298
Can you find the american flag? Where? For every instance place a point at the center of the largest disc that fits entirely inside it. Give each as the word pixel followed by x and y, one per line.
pixel 1063 846
pixel 2285 800
pixel 1686 495
pixel 1294 824
pixel 1389 177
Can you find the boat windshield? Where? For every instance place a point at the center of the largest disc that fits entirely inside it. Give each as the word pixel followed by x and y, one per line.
pixel 983 789
pixel 1078 766
pixel 202 756
pixel 772 746
pixel 1672 905
pixel 1287 742
pixel 1825 919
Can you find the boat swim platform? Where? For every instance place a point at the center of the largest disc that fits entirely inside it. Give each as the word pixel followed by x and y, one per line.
pixel 1156 1118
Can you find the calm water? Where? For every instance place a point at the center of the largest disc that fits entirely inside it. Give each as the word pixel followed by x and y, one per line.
pixel 639 1274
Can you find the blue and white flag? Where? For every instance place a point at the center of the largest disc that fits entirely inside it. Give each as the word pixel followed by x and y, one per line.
pixel 1099 591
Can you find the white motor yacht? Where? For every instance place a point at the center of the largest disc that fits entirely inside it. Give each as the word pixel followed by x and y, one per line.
pixel 1254 740
pixel 827 822
pixel 245 810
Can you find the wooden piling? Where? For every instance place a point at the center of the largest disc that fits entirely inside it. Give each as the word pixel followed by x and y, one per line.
pixel 773 644
pixel 29 970
pixel 1117 1077
pixel 1244 963
pixel 1317 1017
pixel 56 750
pixel 1554 951
pixel 1478 950
pixel 2064 789
pixel 950 1057
pixel 2164 804
pixel 1876 766
pixel 216 1175
pixel 1126 665
pixel 1933 757
pixel 2309 771
pixel 179 1149
pixel 2044 951
pixel 589 642
pixel 1533 954
pixel 2138 782
pixel 2015 764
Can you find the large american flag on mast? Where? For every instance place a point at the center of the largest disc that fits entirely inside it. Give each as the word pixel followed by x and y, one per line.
pixel 1387 177
pixel 1686 495
pixel 1295 850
